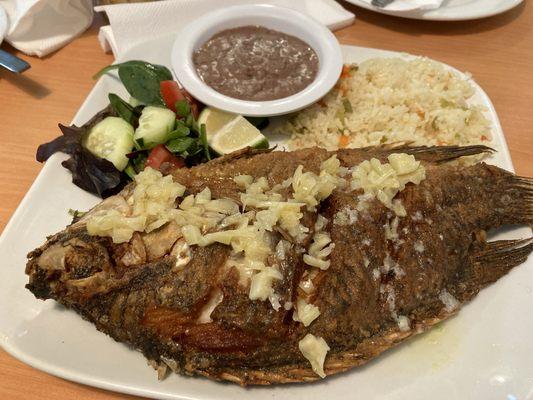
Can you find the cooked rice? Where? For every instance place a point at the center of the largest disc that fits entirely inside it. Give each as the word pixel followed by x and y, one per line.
pixel 391 100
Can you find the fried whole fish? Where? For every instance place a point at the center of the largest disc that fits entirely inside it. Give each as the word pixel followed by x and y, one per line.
pixel 361 275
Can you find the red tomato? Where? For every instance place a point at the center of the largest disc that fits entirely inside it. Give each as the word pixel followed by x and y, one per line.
pixel 160 154
pixel 172 93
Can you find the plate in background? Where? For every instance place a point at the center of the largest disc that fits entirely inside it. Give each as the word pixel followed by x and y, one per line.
pixel 483 353
pixel 450 10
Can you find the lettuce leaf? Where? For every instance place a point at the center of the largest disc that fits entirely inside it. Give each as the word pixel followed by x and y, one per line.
pixel 91 173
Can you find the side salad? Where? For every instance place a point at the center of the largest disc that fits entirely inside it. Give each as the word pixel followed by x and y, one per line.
pixel 161 126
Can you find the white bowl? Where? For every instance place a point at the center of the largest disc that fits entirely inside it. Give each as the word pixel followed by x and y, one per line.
pixel 281 19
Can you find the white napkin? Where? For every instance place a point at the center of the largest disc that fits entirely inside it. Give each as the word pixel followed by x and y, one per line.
pixel 138 22
pixel 411 5
pixel 3 24
pixel 39 27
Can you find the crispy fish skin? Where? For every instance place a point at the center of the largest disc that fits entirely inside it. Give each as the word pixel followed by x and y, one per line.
pixel 154 306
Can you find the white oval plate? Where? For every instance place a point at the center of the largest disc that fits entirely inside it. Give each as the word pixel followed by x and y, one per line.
pixel 483 353
pixel 281 19
pixel 450 10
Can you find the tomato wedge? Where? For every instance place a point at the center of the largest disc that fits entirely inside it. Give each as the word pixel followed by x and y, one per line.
pixel 160 155
pixel 172 93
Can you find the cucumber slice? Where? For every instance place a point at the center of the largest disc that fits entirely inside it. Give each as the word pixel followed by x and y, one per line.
pixel 155 123
pixel 112 139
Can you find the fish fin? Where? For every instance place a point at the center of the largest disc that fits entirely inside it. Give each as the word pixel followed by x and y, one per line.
pixel 441 154
pixel 436 154
pixel 492 260
pixel 247 152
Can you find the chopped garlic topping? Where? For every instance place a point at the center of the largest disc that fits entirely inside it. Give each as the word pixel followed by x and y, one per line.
pixel 182 252
pixel 152 201
pixel 204 221
pixel 314 349
pixel 261 284
pixel 450 302
pixel 346 216
pixel 390 265
pixel 310 188
pixel 112 223
pixel 419 246
pixel 305 313
pixel 274 301
pixel 319 251
pixel 154 196
pixel 243 180
pixel 391 230
pixel 403 323
pixel 281 250
pixel 307 285
pixel 384 181
pixel 153 204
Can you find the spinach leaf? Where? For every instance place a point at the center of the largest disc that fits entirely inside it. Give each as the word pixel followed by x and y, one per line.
pixel 179 132
pixel 142 83
pixel 124 110
pixel 141 79
pixel 161 71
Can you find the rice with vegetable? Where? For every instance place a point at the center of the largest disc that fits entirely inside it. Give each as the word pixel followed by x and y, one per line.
pixel 391 100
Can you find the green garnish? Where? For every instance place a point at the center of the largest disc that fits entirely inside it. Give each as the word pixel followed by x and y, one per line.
pixel 180 145
pixel 139 143
pixel 130 171
pixel 179 131
pixel 347 106
pixel 203 141
pixel 123 109
pixel 76 213
pixel 141 79
pixel 183 108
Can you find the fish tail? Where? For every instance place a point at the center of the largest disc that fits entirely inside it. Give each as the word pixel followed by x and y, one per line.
pixel 494 259
pixel 519 207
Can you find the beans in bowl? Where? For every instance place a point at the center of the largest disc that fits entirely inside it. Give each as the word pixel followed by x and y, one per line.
pixel 256 63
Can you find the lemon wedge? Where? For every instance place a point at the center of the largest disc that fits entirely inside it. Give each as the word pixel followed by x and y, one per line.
pixel 228 132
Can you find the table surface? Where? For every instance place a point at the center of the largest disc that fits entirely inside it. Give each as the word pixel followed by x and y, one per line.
pixel 498 51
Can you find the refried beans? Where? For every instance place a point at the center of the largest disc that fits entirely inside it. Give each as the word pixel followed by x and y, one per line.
pixel 256 63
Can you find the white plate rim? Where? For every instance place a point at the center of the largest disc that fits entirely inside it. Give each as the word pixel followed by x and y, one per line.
pixel 443 13
pixel 108 384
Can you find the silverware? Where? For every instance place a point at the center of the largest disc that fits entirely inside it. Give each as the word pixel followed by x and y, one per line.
pixel 12 63
pixel 381 3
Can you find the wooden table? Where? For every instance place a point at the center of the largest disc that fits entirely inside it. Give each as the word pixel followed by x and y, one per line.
pixel 498 51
